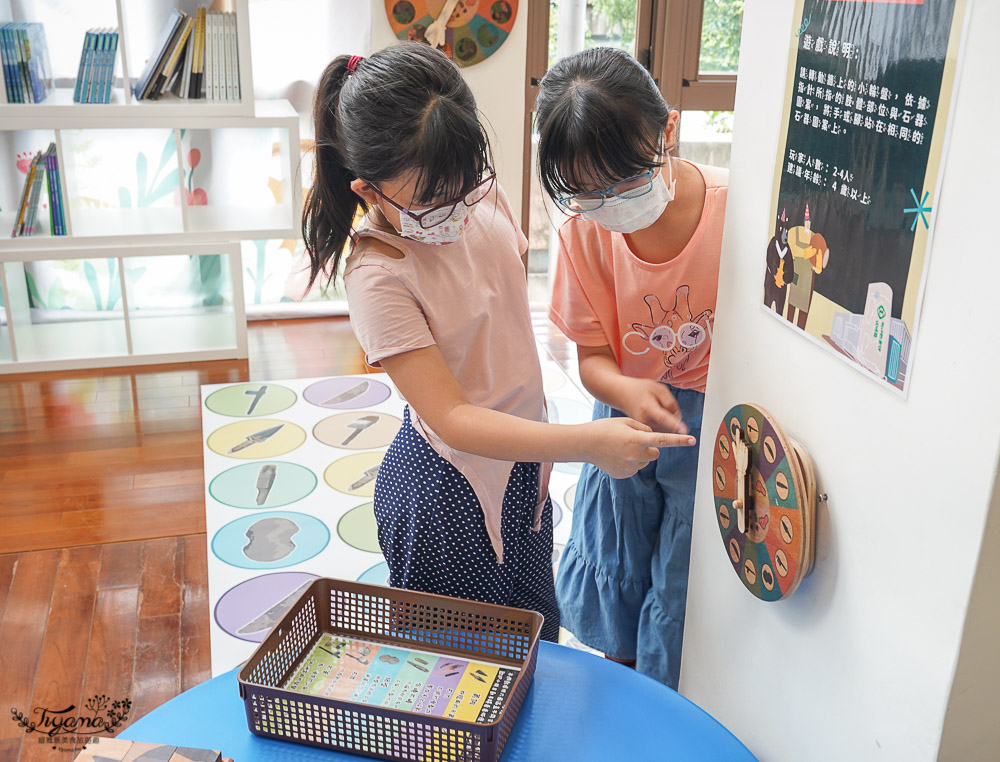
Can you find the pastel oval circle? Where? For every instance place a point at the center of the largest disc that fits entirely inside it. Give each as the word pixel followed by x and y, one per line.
pixel 557 513
pixel 243 400
pixel 265 485
pixel 355 474
pixel 377 575
pixel 360 430
pixel 346 393
pixel 359 529
pixel 552 379
pixel 249 610
pixel 271 540
pixel 570 498
pixel 256 439
pixel 567 411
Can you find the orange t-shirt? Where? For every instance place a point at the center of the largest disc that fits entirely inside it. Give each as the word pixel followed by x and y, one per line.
pixel 657 318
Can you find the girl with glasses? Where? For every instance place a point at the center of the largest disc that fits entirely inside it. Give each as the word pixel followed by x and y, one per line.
pixel 438 298
pixel 635 288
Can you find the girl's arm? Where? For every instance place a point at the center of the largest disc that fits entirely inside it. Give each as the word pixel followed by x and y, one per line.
pixel 643 399
pixel 618 446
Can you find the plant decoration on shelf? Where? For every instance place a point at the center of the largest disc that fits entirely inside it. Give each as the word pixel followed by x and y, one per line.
pixel 43 166
pixel 26 71
pixel 195 57
pixel 195 196
pixel 96 74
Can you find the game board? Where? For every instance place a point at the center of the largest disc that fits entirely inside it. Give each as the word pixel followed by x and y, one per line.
pixel 290 470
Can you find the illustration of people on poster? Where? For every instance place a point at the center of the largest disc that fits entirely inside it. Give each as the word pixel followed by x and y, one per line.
pixel 867 103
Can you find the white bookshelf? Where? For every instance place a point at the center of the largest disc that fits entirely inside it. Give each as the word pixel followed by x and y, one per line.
pixel 131 334
pixel 247 181
pixel 139 23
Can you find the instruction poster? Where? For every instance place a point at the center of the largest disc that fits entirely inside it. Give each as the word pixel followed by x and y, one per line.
pixel 868 99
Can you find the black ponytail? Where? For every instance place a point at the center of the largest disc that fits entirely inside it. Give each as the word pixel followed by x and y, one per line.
pixel 331 205
pixel 403 111
pixel 600 117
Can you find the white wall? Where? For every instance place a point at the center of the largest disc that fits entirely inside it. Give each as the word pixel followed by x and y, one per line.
pixel 859 663
pixel 498 84
pixel 971 730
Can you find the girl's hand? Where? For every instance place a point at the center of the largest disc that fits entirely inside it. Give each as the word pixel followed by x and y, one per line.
pixel 621 446
pixel 652 403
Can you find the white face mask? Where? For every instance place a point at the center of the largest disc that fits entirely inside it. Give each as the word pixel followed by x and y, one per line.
pixel 447 231
pixel 627 215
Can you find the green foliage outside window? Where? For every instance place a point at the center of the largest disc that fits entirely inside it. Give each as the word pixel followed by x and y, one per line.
pixel 720 41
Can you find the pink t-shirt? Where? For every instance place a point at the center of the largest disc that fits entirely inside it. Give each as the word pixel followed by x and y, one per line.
pixel 657 318
pixel 469 298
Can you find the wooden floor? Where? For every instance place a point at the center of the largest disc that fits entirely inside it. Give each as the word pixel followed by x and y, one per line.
pixel 103 568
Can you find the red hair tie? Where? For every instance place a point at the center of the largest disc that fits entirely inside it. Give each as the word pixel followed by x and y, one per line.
pixel 352 65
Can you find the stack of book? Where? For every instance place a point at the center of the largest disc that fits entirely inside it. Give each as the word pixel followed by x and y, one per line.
pixel 96 74
pixel 26 71
pixel 44 168
pixel 195 57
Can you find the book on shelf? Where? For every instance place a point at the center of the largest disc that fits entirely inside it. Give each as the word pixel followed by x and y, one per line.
pixel 196 86
pixel 196 56
pixel 221 70
pixel 95 74
pixel 26 68
pixel 43 170
pixel 161 51
pixel 170 66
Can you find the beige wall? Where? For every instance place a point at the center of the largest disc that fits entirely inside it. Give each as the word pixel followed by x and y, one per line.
pixel 498 84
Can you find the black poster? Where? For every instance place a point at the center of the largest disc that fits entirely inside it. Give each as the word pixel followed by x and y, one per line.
pixel 867 104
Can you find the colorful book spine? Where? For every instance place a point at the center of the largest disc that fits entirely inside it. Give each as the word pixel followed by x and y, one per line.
pixel 36 189
pixel 236 58
pixel 25 196
pixel 5 56
pixel 199 56
pixel 93 75
pixel 37 58
pixel 81 72
pixel 59 210
pixel 227 54
pixel 109 80
pixel 22 64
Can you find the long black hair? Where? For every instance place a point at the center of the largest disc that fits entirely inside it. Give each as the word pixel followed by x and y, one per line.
pixel 600 118
pixel 403 111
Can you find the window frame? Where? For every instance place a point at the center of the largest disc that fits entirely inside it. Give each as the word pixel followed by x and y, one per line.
pixel 667 43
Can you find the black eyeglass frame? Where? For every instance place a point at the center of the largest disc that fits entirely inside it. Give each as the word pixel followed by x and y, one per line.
pixel 450 205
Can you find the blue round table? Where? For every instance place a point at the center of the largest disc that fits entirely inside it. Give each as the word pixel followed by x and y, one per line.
pixel 580 707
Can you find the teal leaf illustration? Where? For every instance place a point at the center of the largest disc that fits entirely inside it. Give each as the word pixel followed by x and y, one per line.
pixel 114 286
pixel 209 280
pixel 140 179
pixel 169 149
pixel 166 186
pixel 34 298
pixel 124 198
pixel 95 288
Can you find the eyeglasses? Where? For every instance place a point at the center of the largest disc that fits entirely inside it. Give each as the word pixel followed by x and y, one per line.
pixel 428 218
pixel 632 187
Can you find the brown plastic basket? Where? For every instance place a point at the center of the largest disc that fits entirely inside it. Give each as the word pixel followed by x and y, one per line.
pixel 404 618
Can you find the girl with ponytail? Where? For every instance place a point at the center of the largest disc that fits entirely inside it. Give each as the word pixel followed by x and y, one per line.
pixel 438 299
